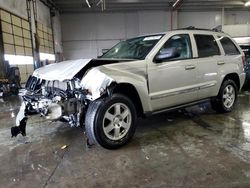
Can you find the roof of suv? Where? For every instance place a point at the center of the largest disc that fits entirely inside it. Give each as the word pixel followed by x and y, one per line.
pixel 200 29
pixel 191 28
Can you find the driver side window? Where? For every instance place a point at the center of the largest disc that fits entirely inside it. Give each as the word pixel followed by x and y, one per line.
pixel 176 48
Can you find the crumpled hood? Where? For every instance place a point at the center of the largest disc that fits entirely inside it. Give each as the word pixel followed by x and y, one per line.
pixel 65 70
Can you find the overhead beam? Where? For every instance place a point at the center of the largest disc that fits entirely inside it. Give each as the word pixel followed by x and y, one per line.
pixel 120 5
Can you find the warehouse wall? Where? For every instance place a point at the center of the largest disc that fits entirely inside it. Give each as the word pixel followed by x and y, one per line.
pixel 239 17
pixel 239 30
pixel 19 7
pixel 85 35
pixel 56 24
pixel 212 19
pixel 15 6
pixel 206 20
pixel 236 23
pixel 43 14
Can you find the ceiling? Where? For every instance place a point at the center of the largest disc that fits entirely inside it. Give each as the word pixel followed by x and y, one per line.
pixel 131 5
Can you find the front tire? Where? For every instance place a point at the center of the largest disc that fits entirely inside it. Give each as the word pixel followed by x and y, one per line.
pixel 227 97
pixel 111 121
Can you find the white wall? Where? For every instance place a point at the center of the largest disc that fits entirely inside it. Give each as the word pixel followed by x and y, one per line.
pixel 85 35
pixel 207 20
pixel 237 17
pixel 240 30
pixel 212 19
pixel 235 22
pixel 43 13
pixel 153 22
pixel 56 24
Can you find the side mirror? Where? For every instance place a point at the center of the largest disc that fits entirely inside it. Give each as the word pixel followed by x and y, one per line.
pixel 167 53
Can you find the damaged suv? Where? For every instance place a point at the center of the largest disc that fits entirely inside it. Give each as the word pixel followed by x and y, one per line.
pixel 136 78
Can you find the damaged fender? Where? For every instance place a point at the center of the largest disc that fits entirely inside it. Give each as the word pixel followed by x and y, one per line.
pixel 105 76
pixel 97 86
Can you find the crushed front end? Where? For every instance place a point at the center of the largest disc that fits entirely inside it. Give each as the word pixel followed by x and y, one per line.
pixel 63 91
pixel 54 100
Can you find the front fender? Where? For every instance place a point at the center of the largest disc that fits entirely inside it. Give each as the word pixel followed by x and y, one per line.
pixel 97 80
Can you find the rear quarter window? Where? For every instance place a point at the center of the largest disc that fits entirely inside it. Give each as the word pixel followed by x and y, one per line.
pixel 206 45
pixel 228 46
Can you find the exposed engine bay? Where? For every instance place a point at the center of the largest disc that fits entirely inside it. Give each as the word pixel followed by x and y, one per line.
pixel 62 92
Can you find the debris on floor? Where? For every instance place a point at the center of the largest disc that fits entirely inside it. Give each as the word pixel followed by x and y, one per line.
pixel 169 120
pixel 64 147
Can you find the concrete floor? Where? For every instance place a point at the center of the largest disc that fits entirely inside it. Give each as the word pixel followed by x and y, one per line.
pixel 195 149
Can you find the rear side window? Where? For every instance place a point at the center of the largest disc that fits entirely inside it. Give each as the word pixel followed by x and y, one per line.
pixel 206 45
pixel 228 46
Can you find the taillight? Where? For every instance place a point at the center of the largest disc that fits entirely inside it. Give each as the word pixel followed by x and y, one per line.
pixel 244 61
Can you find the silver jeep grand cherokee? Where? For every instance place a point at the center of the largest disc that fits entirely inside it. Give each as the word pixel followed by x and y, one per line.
pixel 137 77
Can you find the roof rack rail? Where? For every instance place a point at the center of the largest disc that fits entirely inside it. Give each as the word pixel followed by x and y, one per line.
pixel 216 29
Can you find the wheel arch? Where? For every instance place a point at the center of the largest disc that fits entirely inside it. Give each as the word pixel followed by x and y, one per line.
pixel 235 78
pixel 130 91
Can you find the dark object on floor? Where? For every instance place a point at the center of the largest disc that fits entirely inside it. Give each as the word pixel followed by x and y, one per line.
pixel 21 129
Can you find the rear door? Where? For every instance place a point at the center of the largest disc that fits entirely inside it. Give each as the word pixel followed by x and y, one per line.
pixel 209 57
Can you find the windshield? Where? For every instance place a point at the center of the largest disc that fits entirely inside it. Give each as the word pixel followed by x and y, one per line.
pixel 136 48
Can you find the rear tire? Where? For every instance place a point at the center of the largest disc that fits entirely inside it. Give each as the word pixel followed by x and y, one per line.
pixel 227 97
pixel 111 121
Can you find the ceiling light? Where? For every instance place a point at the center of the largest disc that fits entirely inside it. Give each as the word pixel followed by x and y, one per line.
pixel 176 3
pixel 247 4
pixel 128 1
pixel 87 1
pixel 101 1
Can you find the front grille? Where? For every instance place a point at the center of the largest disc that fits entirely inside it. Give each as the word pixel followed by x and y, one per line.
pixel 52 88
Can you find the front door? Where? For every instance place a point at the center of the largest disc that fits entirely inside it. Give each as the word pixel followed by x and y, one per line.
pixel 172 79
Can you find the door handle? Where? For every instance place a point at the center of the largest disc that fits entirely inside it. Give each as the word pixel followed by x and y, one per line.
pixel 190 67
pixel 220 63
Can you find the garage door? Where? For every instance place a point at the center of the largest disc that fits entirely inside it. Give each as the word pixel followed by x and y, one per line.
pixel 45 39
pixel 17 42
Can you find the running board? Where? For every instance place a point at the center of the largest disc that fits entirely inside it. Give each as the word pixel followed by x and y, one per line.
pixel 177 107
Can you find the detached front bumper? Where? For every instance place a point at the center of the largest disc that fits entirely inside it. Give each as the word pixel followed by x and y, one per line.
pixel 21 121
pixel 71 111
pixel 61 100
